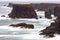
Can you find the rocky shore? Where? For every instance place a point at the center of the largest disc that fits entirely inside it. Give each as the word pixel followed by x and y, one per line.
pixel 23 25
pixel 54 28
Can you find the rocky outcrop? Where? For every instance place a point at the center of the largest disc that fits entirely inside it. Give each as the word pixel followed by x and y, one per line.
pixel 45 6
pixel 48 13
pixel 23 25
pixel 54 28
pixel 3 16
pixel 10 5
pixel 57 10
pixel 22 11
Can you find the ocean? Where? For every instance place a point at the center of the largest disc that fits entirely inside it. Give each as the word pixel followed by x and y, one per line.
pixel 10 33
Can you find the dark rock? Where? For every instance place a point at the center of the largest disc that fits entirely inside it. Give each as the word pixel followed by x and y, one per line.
pixel 44 6
pixel 40 17
pixel 30 26
pixel 56 10
pixel 51 35
pixel 19 24
pixel 54 28
pixel 10 5
pixel 48 13
pixel 23 25
pixel 3 16
pixel 22 11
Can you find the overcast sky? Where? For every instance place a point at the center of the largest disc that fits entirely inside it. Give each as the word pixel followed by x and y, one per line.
pixel 3 2
pixel 35 1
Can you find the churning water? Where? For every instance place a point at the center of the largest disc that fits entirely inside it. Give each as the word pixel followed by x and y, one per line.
pixel 10 33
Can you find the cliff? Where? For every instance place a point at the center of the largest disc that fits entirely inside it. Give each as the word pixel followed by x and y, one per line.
pixel 54 28
pixel 22 11
pixel 49 8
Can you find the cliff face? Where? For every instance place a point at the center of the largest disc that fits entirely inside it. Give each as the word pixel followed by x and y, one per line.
pixel 54 28
pixel 22 11
pixel 57 10
pixel 48 13
pixel 45 6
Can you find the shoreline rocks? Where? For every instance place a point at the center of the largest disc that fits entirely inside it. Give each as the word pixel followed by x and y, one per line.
pixel 23 25
pixel 54 28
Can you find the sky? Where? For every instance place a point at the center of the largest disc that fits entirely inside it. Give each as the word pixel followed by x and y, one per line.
pixel 3 2
pixel 35 1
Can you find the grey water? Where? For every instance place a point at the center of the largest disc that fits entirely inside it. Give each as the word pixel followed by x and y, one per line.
pixel 10 33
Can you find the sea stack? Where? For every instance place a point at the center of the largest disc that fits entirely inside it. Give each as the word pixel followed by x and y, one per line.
pixel 57 10
pixel 22 11
pixel 48 13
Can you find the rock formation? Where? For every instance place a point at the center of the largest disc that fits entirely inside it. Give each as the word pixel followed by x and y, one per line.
pixel 44 6
pixel 10 5
pixel 54 28
pixel 48 13
pixel 23 25
pixel 57 10
pixel 3 16
pixel 22 11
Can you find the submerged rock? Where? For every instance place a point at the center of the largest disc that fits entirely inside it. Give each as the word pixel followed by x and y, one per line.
pixel 22 11
pixel 23 25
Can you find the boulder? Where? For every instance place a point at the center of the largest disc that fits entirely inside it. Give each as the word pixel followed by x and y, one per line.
pixel 22 11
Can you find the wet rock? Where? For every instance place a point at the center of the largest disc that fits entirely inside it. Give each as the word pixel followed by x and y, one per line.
pixel 22 11
pixel 3 16
pixel 49 31
pixel 51 35
pixel 23 25
pixel 30 26
pixel 54 28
